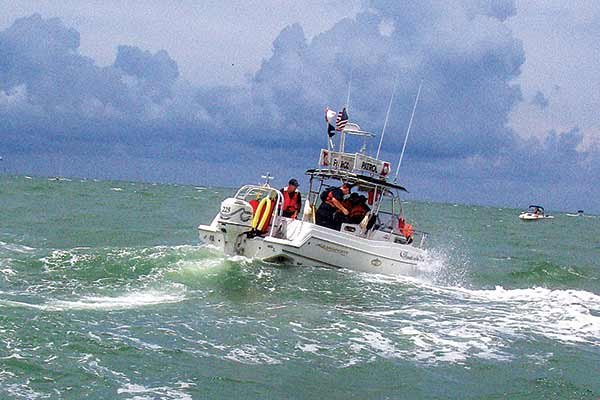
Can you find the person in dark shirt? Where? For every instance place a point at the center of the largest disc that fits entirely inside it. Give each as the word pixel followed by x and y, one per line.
pixel 331 201
pixel 358 210
pixel 292 199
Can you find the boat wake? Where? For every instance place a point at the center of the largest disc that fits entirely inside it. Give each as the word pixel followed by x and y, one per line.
pixel 96 279
pixel 454 323
pixel 283 313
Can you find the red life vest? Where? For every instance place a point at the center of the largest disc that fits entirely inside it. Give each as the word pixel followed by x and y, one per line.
pixel 372 198
pixel 406 228
pixel 253 204
pixel 358 211
pixel 290 203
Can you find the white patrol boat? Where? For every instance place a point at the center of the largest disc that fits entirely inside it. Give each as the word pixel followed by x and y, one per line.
pixel 534 213
pixel 251 223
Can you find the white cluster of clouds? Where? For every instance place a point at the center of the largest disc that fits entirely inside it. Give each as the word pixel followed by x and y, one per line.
pixel 54 98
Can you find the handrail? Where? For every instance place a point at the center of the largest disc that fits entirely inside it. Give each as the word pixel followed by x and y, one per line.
pixel 263 190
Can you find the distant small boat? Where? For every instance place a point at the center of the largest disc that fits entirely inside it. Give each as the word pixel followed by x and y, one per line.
pixel 534 213
pixel 579 214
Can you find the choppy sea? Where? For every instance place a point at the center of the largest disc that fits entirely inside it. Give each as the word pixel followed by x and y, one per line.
pixel 105 293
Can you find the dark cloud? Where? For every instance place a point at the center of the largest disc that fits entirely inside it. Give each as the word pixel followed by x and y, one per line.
pixel 49 93
pixel 55 101
pixel 156 72
pixel 467 70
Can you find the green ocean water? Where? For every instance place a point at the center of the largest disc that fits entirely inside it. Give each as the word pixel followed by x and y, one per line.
pixel 106 293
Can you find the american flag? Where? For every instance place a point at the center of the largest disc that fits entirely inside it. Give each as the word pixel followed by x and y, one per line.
pixel 341 120
pixel 330 116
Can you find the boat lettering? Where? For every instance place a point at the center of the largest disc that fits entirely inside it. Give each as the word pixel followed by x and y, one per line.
pixel 367 166
pixel 406 254
pixel 342 164
pixel 333 249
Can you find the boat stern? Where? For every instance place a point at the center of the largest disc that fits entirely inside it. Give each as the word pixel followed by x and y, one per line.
pixel 211 235
pixel 226 229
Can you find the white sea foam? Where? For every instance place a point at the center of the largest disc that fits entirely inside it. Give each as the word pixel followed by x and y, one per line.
pixel 16 248
pixel 200 268
pixel 379 343
pixel 125 301
pixel 565 315
pixel 128 300
pixel 64 258
pixel 249 354
pixel 453 323
pixel 141 392
pixel 308 348
pixel 7 271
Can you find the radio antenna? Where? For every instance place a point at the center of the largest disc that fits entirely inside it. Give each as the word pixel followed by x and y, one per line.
pixel 408 130
pixel 349 85
pixel 387 115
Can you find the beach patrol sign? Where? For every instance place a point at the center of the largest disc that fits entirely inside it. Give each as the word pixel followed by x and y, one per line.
pixel 353 163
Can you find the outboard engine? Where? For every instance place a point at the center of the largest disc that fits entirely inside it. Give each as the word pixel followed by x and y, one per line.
pixel 235 219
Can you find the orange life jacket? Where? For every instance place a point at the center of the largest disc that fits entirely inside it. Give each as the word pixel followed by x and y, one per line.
pixel 290 203
pixel 357 211
pixel 347 204
pixel 406 228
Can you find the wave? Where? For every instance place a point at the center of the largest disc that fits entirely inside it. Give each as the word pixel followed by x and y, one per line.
pixel 453 323
pixel 346 317
pixel 105 303
pixel 125 301
pixel 15 248
pixel 546 272
pixel 178 391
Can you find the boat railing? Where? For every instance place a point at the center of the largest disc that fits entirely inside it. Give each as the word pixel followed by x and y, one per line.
pixel 258 192
pixel 387 224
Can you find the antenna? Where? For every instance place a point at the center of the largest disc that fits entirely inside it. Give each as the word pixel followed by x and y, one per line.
pixel 349 85
pixel 408 130
pixel 387 115
pixel 267 178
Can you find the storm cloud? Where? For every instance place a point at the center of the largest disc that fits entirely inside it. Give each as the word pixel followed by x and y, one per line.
pixel 139 111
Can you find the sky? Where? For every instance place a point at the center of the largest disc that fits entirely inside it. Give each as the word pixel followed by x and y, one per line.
pixel 218 93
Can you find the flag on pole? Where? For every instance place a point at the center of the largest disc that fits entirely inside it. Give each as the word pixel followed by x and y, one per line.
pixel 341 120
pixel 330 117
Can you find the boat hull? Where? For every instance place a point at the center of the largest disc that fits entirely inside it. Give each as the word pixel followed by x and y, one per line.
pixel 533 217
pixel 306 244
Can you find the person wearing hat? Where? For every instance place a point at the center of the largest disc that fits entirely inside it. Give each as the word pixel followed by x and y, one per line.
pixel 331 202
pixel 292 199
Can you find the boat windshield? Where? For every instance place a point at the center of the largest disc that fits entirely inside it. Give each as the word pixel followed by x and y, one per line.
pixel 536 209
pixel 251 193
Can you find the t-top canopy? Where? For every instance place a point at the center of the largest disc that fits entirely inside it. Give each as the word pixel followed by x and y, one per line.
pixel 353 178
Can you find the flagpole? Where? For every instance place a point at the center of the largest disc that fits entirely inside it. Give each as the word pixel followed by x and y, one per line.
pixel 408 130
pixel 387 115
